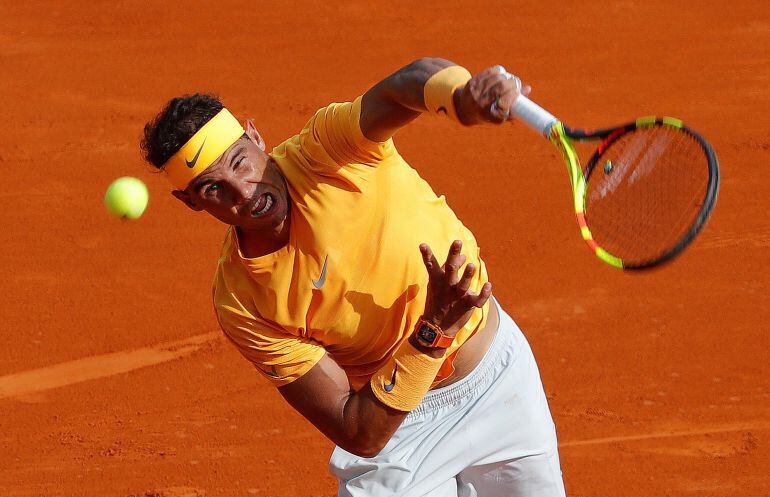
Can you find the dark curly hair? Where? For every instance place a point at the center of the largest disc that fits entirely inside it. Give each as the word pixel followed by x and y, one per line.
pixel 179 120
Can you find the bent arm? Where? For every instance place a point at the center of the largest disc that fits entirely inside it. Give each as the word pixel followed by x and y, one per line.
pixel 355 421
pixel 398 99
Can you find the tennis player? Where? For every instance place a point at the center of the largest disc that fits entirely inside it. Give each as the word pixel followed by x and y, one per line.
pixel 354 289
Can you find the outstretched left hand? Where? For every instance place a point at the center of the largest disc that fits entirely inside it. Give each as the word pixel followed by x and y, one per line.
pixel 488 96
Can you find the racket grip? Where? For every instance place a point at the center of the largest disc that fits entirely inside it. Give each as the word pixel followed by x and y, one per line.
pixel 535 116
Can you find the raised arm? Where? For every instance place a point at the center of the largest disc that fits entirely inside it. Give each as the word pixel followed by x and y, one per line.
pixel 399 99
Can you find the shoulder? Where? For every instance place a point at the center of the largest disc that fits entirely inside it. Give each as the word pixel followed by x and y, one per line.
pixel 333 136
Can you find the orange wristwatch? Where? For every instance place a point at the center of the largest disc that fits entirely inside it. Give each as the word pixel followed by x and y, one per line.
pixel 430 335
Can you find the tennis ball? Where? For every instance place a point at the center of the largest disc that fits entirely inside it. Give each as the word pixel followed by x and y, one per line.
pixel 126 198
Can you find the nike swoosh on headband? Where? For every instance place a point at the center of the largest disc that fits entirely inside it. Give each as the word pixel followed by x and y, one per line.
pixel 191 163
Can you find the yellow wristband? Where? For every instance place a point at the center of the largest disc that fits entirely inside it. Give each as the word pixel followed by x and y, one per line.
pixel 439 90
pixel 406 378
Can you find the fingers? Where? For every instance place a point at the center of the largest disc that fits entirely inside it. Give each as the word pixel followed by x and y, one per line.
pixel 481 299
pixel 454 261
pixel 431 264
pixel 465 281
pixel 449 301
pixel 496 90
pixel 499 110
pixel 525 90
pixel 491 78
pixel 492 90
pixel 480 85
pixel 447 275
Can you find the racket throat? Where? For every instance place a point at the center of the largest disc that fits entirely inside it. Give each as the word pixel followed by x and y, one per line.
pixel 559 138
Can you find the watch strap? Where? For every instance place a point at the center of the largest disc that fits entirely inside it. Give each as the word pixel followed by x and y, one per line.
pixel 440 340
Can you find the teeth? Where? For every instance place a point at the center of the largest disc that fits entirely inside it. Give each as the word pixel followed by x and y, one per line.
pixel 267 206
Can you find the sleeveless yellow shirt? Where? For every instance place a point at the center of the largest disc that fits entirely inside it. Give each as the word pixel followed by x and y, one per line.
pixel 351 281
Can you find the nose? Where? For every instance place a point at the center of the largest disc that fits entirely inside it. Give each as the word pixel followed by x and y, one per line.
pixel 242 191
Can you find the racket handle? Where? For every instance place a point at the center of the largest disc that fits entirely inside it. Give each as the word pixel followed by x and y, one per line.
pixel 535 116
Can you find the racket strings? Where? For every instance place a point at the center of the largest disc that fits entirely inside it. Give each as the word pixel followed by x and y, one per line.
pixel 647 221
pixel 654 226
pixel 645 192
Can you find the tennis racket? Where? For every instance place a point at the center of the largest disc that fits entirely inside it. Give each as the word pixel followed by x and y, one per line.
pixel 647 190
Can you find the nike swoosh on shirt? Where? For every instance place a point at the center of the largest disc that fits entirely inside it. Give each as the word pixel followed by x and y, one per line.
pixel 322 279
pixel 191 163
pixel 273 373
pixel 390 386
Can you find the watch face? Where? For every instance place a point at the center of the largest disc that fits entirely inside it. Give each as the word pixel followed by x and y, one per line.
pixel 427 334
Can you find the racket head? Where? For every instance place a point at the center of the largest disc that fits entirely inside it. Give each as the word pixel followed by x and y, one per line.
pixel 647 190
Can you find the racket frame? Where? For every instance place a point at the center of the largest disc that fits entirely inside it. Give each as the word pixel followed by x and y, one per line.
pixel 562 136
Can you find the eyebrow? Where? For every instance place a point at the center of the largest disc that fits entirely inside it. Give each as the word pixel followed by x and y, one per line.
pixel 235 152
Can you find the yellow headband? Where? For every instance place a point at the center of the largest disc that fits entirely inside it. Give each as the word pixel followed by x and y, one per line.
pixel 203 149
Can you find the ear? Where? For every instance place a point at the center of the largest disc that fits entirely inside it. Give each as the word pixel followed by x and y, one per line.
pixel 254 135
pixel 185 197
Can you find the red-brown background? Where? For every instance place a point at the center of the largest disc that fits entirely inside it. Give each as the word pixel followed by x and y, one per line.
pixel 659 383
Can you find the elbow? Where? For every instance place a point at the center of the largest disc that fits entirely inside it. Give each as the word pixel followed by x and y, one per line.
pixel 365 443
pixel 366 449
pixel 423 61
pixel 430 61
pixel 367 425
pixel 428 65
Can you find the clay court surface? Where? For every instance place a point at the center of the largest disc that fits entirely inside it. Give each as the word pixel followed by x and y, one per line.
pixel 114 378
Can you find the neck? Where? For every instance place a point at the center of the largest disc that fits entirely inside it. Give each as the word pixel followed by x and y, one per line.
pixel 258 243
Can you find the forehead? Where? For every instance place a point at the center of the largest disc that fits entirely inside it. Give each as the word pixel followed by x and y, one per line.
pixel 227 156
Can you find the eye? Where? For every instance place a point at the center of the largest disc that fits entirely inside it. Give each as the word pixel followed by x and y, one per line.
pixel 238 162
pixel 211 189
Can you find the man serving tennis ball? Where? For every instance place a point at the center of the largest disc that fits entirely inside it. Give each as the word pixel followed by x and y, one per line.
pixel 329 284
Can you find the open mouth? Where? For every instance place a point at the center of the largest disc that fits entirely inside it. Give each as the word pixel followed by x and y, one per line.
pixel 263 205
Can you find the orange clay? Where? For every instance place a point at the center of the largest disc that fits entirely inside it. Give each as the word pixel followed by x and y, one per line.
pixel 659 383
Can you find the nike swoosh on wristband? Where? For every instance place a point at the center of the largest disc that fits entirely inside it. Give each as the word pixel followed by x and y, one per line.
pixel 322 279
pixel 390 386
pixel 191 163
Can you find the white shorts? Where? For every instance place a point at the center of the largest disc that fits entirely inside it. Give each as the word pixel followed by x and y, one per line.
pixel 488 435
